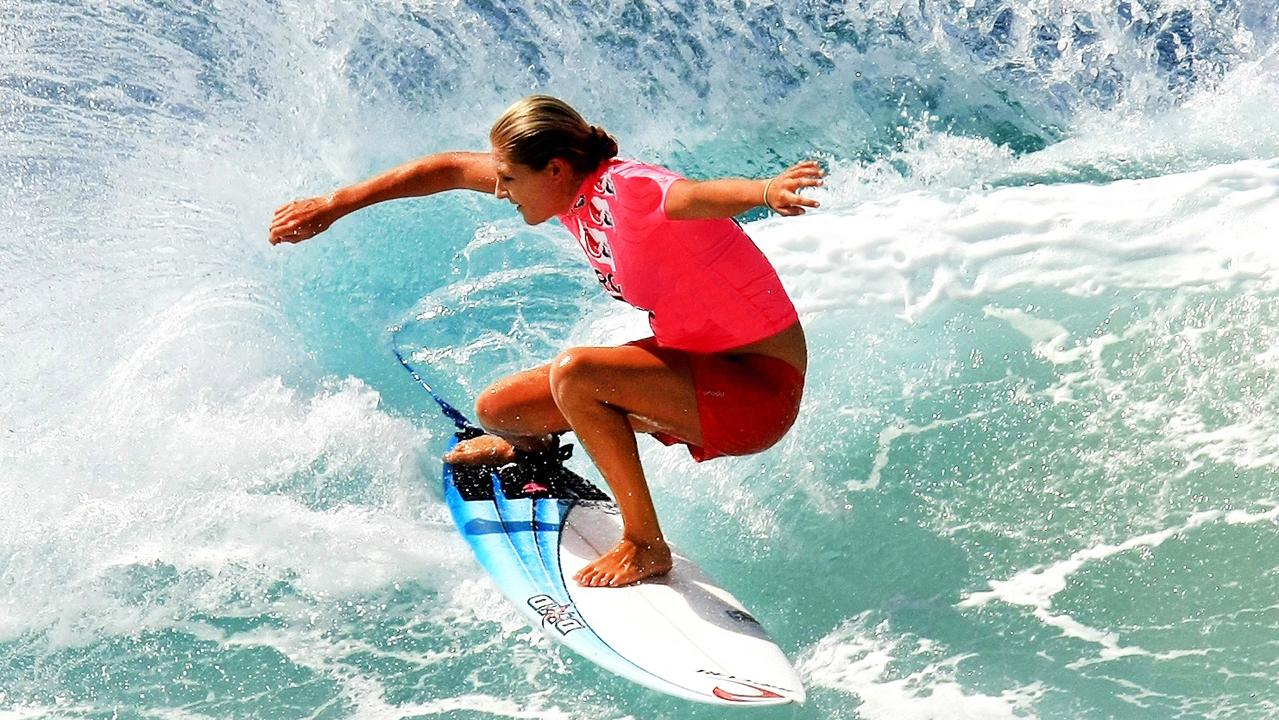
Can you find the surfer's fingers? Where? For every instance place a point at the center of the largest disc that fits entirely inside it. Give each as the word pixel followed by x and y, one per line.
pixel 288 224
pixel 293 232
pixel 790 183
pixel 794 198
pixel 299 220
pixel 791 187
pixel 289 210
pixel 793 209
pixel 806 168
pixel 283 220
pixel 282 230
pixel 803 179
pixel 302 208
pixel 792 203
pixel 793 180
pixel 298 234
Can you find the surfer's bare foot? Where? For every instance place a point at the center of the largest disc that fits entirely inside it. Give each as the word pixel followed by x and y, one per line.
pixel 627 563
pixel 482 450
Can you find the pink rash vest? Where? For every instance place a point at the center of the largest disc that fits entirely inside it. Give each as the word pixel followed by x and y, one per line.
pixel 705 285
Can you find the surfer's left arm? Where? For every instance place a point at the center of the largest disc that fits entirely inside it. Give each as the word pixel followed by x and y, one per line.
pixel 728 197
pixel 303 219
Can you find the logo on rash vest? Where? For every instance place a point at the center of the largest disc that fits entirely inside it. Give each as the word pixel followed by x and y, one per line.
pixel 601 214
pixel 610 284
pixel 561 617
pixel 757 693
pixel 595 244
pixel 604 186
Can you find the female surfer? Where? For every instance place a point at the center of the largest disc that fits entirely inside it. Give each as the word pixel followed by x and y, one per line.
pixel 724 370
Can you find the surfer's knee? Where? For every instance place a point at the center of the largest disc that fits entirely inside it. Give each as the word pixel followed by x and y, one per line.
pixel 571 371
pixel 490 408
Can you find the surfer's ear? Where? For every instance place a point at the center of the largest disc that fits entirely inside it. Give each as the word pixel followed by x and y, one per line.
pixel 559 168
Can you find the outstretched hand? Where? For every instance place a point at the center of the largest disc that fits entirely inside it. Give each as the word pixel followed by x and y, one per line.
pixel 783 191
pixel 302 219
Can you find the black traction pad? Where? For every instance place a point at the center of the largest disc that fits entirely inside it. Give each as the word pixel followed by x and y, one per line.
pixel 536 477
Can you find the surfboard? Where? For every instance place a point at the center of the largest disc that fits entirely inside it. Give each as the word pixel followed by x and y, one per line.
pixel 533 525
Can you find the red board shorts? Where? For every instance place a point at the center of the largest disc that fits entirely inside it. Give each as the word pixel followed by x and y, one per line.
pixel 745 403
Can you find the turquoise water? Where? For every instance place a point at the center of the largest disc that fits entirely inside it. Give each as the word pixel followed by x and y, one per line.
pixel 1034 476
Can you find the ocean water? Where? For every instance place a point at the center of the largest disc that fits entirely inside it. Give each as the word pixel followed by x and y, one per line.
pixel 1035 474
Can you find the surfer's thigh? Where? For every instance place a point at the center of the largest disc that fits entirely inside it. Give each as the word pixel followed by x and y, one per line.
pixel 521 404
pixel 652 385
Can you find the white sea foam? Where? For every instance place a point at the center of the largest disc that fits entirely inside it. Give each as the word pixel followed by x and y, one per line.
pixel 244 491
pixel 318 650
pixel 1191 229
pixel 1229 121
pixel 29 711
pixel 858 659
pixel 891 433
pixel 477 600
pixel 1035 588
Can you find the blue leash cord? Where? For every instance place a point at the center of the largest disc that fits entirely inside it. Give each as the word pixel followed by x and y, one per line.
pixel 466 426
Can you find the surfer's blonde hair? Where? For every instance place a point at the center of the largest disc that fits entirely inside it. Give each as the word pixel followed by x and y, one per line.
pixel 539 127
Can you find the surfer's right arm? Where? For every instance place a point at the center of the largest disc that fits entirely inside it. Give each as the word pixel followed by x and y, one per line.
pixel 302 219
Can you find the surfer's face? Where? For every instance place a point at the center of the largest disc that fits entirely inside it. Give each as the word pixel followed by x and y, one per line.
pixel 539 195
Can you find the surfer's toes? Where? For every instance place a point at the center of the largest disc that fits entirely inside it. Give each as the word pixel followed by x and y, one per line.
pixel 482 450
pixel 626 564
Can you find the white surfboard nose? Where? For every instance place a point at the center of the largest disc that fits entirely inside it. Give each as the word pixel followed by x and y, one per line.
pixel 681 627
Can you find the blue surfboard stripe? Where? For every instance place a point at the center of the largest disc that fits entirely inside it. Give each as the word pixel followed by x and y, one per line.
pixel 548 513
pixel 519 514
pixel 487 546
